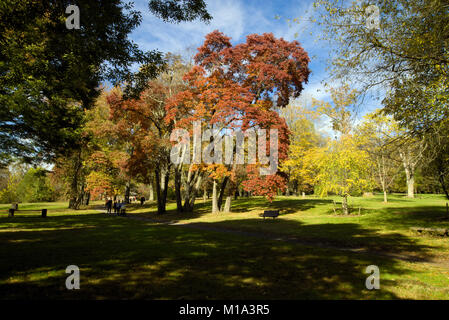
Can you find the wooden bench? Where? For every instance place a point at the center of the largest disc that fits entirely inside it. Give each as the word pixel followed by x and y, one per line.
pixel 11 212
pixel 270 213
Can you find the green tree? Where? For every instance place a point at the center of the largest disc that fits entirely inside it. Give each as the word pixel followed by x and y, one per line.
pixel 407 53
pixel 377 136
pixel 35 186
pixel 437 156
pixel 49 74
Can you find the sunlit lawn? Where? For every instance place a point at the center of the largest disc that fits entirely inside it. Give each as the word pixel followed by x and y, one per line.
pixel 379 226
pixel 124 258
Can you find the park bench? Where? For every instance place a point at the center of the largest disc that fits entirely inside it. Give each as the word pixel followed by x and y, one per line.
pixel 12 212
pixel 270 213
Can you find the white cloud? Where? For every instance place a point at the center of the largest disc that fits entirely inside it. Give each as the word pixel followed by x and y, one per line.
pixel 153 33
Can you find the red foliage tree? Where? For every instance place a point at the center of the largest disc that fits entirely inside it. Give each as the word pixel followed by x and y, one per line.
pixel 239 87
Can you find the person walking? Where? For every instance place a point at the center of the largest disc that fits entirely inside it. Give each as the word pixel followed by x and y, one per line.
pixel 122 210
pixel 109 206
pixel 115 207
pixel 142 200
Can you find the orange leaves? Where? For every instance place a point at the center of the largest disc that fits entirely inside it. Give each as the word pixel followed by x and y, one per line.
pixel 236 88
pixel 266 66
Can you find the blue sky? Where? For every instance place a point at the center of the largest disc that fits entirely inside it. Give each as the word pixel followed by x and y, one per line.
pixel 237 19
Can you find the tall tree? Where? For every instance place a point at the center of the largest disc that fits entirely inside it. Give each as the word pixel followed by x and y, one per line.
pixel 49 73
pixel 304 139
pixel 400 45
pixel 141 123
pixel 376 135
pixel 238 88
pixel 436 163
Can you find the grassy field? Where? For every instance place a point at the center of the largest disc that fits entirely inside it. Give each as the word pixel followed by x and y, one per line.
pixel 320 254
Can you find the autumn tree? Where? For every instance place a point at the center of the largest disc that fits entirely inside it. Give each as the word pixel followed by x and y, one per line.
pixel 238 88
pixel 340 110
pixel 377 135
pixel 341 167
pixel 304 139
pixel 140 123
pixel 107 163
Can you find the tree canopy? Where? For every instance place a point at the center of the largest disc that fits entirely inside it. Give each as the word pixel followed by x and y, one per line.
pixel 49 74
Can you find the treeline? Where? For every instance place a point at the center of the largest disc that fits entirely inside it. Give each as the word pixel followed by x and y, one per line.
pixel 356 156
pixel 22 184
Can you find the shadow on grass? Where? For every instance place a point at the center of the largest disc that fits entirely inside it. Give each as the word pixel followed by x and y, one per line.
pixel 241 205
pixel 333 235
pixel 125 259
pixel 406 217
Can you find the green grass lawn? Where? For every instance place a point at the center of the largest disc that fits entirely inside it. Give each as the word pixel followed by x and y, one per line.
pixel 122 258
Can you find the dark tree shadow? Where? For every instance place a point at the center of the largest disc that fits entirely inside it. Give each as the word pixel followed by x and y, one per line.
pixel 123 258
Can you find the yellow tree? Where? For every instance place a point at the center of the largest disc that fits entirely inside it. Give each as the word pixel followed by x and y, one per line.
pixel 304 139
pixel 377 134
pixel 342 168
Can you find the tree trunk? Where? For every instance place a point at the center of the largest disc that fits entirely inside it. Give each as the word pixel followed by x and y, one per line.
pixel 214 198
pixel 178 191
pixel 161 189
pixel 222 190
pixel 191 184
pixel 127 191
pixel 151 192
pixel 442 183
pixel 410 176
pixel 344 205
pixel 227 207
pixel 189 201
pixel 385 196
pixel 75 194
pixel 409 167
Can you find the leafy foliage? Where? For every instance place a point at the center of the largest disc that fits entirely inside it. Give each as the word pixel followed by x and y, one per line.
pixel 49 74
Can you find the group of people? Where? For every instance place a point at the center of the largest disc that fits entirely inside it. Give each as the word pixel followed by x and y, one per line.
pixel 118 207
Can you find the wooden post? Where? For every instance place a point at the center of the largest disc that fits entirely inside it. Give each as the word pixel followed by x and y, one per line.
pixel 11 213
pixel 44 213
